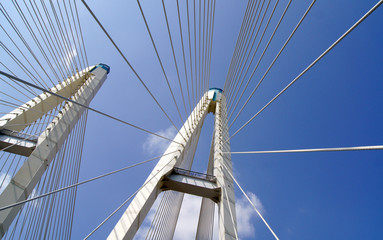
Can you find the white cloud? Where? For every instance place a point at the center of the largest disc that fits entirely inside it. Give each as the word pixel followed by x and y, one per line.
pixel 143 230
pixel 157 145
pixel 188 219
pixel 187 222
pixel 246 214
pixel 69 56
pixel 5 179
pixel 189 215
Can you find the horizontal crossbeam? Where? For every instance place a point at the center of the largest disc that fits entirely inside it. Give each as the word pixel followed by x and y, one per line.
pixel 194 183
pixel 18 143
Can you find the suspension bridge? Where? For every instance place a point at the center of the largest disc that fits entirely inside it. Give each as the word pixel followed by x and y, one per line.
pixel 266 111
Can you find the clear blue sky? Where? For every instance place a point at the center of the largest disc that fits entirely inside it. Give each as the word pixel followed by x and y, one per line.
pixel 335 104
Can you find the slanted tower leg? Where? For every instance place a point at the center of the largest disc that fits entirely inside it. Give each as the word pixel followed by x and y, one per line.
pixel 82 88
pixel 135 214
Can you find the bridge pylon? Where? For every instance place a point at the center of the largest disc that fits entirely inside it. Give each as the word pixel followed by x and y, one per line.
pixel 172 176
pixel 42 150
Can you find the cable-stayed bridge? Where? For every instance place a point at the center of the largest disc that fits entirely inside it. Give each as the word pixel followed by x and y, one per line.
pixel 51 70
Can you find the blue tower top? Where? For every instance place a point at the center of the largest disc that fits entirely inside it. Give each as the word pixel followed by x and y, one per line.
pixel 217 89
pixel 215 94
pixel 103 66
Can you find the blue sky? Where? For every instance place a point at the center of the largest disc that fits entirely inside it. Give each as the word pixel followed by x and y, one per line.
pixel 334 195
pixel 306 195
pixel 337 103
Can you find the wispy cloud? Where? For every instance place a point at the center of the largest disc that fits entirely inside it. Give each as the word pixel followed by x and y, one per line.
pixel 156 145
pixel 188 219
pixel 143 230
pixel 70 56
pixel 246 215
pixel 189 215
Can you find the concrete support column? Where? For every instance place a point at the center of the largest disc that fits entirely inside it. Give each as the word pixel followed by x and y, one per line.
pixel 226 207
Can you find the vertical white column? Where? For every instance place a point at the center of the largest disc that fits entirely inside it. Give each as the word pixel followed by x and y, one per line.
pixel 226 206
pixel 206 215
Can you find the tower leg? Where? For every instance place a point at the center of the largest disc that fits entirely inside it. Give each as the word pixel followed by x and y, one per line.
pixel 226 207
pixel 135 214
pixel 171 173
pixel 167 225
pixel 48 144
pixel 206 216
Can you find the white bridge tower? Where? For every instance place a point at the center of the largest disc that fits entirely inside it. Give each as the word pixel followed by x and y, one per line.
pixel 172 174
pixel 42 150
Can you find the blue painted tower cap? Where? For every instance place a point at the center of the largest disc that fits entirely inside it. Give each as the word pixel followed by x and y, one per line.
pixel 104 66
pixel 215 94
pixel 217 89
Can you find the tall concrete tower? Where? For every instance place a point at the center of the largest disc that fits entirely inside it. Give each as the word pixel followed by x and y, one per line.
pixel 40 151
pixel 172 176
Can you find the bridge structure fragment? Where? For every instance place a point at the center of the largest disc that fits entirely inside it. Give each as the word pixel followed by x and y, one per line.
pixel 172 175
pixel 40 151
